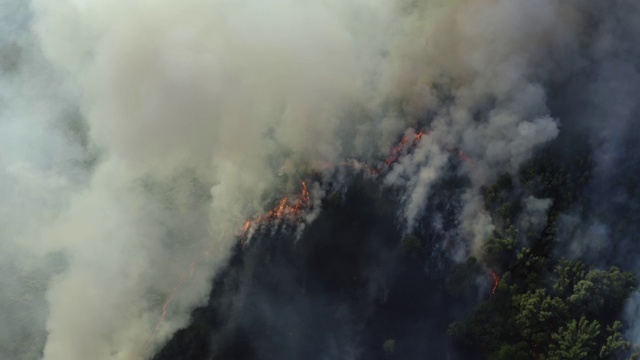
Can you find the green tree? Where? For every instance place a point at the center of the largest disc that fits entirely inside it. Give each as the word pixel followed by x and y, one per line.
pixel 500 248
pixel 556 319
pixel 543 308
pixel 519 351
pixel 538 314
pixel 389 346
pixel 614 342
pixel 412 245
pixel 462 275
pixel 575 341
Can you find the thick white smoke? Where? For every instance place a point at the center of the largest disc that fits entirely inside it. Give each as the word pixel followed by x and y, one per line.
pixel 187 117
pixel 491 58
pixel 201 111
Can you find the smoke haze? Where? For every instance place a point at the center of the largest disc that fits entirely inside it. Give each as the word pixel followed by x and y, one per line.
pixel 138 136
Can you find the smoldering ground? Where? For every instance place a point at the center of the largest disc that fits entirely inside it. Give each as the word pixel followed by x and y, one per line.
pixel 137 137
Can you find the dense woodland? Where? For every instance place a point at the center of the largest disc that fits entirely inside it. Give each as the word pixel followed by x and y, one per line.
pixel 544 307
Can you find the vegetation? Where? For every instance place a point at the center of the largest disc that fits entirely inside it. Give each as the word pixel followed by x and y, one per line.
pixel 411 245
pixel 335 199
pixel 389 346
pixel 543 307
pixel 572 315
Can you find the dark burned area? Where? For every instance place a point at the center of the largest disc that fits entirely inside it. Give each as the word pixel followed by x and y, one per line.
pixel 349 287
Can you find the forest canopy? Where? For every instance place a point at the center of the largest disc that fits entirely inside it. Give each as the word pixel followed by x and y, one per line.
pixel 543 307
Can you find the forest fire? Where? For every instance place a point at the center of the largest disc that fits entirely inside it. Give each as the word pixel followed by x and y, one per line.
pixel 397 151
pixel 496 280
pixel 375 170
pixel 466 159
pixel 169 301
pixel 292 208
pixel 286 209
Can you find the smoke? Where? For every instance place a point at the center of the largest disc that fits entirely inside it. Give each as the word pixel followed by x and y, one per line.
pixel 202 113
pixel 534 214
pixel 485 95
pixel 602 227
pixel 582 240
pixel 138 136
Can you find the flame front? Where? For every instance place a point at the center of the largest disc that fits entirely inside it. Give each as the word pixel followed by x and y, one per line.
pixel 397 151
pixel 285 210
pixel 293 209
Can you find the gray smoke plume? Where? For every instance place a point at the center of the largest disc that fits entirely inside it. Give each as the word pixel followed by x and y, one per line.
pixel 199 114
pixel 138 136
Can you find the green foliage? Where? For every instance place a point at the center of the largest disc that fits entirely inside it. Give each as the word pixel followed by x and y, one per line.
pixel 500 199
pixel 528 269
pixel 614 342
pixel 543 308
pixel 335 199
pixel 537 312
pixel 498 191
pixel 519 351
pixel 592 291
pixel 389 346
pixel 462 275
pixel 559 321
pixel 575 341
pixel 411 245
pixel 546 177
pixel 500 248
pixel 565 275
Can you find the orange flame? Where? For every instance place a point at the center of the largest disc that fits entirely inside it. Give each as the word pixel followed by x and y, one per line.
pixel 496 281
pixel 465 158
pixel 397 151
pixel 285 209
pixel 169 301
